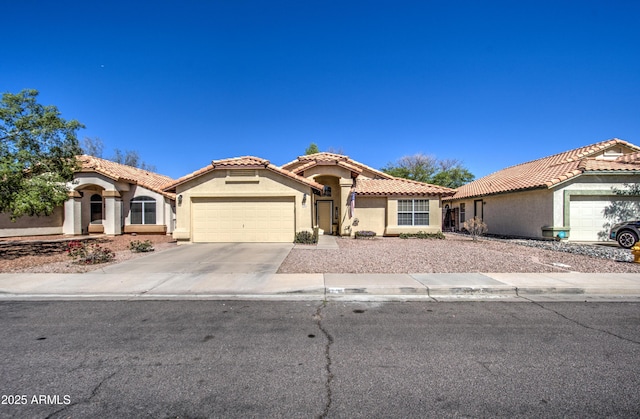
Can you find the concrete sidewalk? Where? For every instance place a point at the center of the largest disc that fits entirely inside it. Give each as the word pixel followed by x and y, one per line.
pixel 101 285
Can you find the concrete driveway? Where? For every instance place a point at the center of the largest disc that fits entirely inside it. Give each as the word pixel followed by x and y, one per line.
pixel 203 258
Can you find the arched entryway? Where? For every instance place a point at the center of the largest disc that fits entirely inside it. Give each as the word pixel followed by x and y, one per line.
pixel 328 206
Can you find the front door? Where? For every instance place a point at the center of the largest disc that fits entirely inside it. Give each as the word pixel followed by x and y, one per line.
pixel 324 213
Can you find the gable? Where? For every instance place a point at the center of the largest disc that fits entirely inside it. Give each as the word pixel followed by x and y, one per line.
pixel 241 171
pixel 327 163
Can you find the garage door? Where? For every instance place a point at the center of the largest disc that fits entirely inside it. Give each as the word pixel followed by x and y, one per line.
pixel 243 220
pixel 587 217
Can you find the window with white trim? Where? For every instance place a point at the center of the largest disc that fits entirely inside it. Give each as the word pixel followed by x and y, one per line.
pixel 143 210
pixel 413 212
pixel 463 213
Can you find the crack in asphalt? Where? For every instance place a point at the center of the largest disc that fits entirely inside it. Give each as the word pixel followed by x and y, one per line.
pixel 94 392
pixel 317 317
pixel 586 326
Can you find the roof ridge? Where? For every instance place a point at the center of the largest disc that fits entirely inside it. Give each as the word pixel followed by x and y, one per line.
pixel 111 162
pixel 264 163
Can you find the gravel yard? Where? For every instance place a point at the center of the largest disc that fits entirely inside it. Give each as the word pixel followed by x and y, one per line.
pixel 62 263
pixel 457 253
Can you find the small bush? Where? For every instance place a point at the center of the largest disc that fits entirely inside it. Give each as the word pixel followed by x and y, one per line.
pixel 306 237
pixel 476 227
pixel 138 246
pixel 89 254
pixel 422 235
pixel 365 234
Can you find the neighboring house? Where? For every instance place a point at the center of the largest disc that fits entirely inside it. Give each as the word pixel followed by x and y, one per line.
pixel 105 197
pixel 112 198
pixel 248 199
pixel 563 195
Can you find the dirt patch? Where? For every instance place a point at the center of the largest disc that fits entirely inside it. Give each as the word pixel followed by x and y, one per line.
pixel 60 262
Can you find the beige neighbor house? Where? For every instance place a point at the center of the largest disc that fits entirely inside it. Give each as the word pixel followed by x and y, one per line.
pixel 248 199
pixel 107 198
pixel 561 196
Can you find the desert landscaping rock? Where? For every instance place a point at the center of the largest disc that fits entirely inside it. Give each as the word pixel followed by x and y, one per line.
pixel 458 254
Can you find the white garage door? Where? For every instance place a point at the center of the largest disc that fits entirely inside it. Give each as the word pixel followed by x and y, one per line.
pixel 587 217
pixel 243 220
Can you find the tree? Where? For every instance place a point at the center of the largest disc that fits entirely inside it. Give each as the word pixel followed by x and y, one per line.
pixel 131 158
pixel 94 147
pixel 335 150
pixel 37 155
pixel 424 168
pixel 312 149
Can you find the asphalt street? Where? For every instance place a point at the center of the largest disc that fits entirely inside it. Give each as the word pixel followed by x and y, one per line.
pixel 306 359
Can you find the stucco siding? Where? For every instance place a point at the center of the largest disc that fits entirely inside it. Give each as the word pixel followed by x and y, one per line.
pixel 517 214
pixel 32 226
pixel 371 214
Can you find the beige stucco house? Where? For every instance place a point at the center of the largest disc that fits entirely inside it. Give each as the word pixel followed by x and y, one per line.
pixel 107 198
pixel 249 199
pixel 563 195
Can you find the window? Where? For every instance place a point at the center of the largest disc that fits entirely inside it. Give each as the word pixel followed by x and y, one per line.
pixel 462 213
pixel 413 212
pixel 96 209
pixel 143 210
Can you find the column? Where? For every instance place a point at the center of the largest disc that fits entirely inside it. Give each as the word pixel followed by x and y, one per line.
pixel 72 224
pixel 112 213
pixel 345 228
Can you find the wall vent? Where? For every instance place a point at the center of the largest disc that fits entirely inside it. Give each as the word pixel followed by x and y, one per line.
pixel 242 173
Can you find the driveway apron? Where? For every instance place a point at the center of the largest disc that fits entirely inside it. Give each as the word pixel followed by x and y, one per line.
pixel 204 258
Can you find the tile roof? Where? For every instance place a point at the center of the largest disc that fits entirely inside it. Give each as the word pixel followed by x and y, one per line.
pixel 245 162
pixel 120 172
pixel 398 186
pixel 549 171
pixel 305 162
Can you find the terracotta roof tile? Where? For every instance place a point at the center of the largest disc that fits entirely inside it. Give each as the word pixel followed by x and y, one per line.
pixel 543 173
pixel 120 172
pixel 305 162
pixel 245 162
pixel 589 165
pixel 398 186
pixel 629 158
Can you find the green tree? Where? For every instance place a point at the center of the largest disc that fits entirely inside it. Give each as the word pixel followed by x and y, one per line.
pixel 424 168
pixel 37 155
pixel 312 149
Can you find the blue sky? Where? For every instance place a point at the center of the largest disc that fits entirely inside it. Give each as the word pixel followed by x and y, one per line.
pixel 491 83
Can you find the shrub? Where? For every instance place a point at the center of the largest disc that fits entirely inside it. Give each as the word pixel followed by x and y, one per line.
pixel 422 235
pixel 476 227
pixel 306 237
pixel 365 234
pixel 89 254
pixel 138 246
